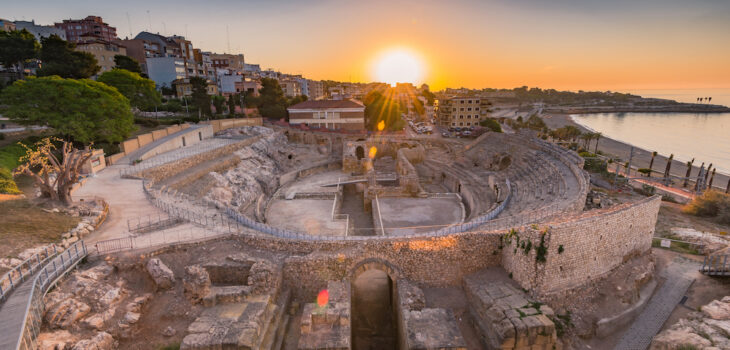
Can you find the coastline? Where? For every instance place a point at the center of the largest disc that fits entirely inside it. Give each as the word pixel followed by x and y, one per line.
pixel 680 108
pixel 641 158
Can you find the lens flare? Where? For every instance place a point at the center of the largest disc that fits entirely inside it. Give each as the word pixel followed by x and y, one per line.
pixel 398 66
pixel 323 298
pixel 381 125
pixel 373 151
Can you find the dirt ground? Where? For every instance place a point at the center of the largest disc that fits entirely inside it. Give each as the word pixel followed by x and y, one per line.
pixel 26 225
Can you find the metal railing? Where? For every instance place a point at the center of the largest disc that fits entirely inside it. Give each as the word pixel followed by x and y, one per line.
pixel 24 270
pixel 161 239
pixel 148 223
pixel 715 265
pixel 172 156
pixel 46 277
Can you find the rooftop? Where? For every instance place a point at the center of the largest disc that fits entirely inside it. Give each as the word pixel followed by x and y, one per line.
pixel 323 104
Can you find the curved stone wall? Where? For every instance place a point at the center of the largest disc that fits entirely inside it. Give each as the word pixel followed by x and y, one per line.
pixel 580 249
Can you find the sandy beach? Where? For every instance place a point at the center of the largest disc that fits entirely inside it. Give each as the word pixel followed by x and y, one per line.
pixel 641 157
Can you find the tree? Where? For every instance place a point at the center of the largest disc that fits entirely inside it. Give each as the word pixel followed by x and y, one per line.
pixel 430 97
pixel 598 138
pixel 232 103
pixel 128 63
pixel 16 47
pixel 200 97
pixel 381 108
pixel 297 99
pixel 271 101
pixel 491 124
pixel 140 91
pixel 651 162
pixel 54 175
pixel 83 110
pixel 218 102
pixel 60 58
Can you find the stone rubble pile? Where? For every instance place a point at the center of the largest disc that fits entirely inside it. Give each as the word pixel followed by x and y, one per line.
pixel 708 329
pixel 256 174
pixel 710 243
pixel 90 302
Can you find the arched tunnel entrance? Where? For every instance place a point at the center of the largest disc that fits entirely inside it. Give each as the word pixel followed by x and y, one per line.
pixel 374 325
pixel 360 152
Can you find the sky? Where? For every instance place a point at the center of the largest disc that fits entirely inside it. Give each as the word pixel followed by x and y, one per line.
pixel 561 44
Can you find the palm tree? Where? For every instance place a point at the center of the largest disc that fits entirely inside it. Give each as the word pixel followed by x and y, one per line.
pixel 708 172
pixel 709 185
pixel 598 137
pixel 697 183
pixel 651 162
pixel 689 170
pixel 709 99
pixel 669 167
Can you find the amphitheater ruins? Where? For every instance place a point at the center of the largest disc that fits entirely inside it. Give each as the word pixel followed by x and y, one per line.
pixel 272 237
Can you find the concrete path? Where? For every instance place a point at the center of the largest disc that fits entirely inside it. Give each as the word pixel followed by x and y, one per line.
pixel 678 279
pixel 126 200
pixel 13 310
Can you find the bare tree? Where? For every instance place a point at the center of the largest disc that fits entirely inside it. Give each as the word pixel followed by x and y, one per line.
pixel 55 173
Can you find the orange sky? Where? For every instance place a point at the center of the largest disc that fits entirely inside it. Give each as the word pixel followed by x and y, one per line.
pixel 562 44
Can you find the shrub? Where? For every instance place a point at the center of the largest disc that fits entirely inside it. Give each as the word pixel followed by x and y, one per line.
pixel 645 171
pixel 491 124
pixel 7 184
pixel 711 204
pixel 647 190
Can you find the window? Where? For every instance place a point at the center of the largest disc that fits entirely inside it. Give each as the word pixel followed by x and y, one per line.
pixel 461 124
pixel 461 101
pixel 476 101
pixel 476 108
pixel 453 124
pixel 469 109
pixel 469 101
pixel 461 117
pixel 462 109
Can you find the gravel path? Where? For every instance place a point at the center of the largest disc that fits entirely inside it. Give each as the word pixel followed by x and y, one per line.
pixel 678 279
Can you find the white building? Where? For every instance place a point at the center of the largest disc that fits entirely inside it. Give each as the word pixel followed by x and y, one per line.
pixel 40 31
pixel 164 70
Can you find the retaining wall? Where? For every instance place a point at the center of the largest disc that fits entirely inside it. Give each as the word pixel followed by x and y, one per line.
pixel 593 244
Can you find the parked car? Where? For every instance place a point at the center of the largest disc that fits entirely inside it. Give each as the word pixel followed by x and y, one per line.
pixel 445 134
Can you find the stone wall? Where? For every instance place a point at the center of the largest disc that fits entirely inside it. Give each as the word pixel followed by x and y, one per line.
pixel 222 124
pixel 164 171
pixel 580 250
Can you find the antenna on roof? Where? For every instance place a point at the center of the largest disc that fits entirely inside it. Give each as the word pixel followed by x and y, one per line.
pixel 228 40
pixel 129 23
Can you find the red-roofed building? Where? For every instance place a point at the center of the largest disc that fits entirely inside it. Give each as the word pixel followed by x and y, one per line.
pixel 331 114
pixel 94 25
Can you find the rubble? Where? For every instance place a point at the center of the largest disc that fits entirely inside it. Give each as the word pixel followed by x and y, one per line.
pixel 709 243
pixel 160 273
pixel 707 329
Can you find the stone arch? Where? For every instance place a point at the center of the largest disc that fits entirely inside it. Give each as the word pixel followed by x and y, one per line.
pixel 359 152
pixel 375 263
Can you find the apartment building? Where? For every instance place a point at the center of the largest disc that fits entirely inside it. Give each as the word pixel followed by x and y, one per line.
pixel 103 50
pixel 40 31
pixel 462 111
pixel 183 87
pixel 331 114
pixel 291 87
pixel 7 25
pixel 94 25
pixel 164 70
pixel 228 61
pixel 315 89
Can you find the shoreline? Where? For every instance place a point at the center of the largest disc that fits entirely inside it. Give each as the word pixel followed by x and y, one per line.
pixel 641 158
pixel 682 108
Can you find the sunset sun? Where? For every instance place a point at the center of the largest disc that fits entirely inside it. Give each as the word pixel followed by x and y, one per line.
pixel 398 66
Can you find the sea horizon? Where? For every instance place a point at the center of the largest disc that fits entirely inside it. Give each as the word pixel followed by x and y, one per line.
pixel 702 136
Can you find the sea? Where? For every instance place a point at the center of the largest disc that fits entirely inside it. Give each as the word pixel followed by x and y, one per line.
pixel 703 136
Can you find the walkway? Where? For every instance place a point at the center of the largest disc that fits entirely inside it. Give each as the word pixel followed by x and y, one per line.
pixel 13 310
pixel 678 279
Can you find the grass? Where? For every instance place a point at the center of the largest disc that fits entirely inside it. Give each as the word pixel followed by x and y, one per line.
pixel 9 156
pixel 679 247
pixel 26 225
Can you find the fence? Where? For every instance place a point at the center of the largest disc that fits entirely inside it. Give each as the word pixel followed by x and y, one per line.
pixel 174 155
pixel 150 223
pixel 47 276
pixel 24 270
pixel 160 239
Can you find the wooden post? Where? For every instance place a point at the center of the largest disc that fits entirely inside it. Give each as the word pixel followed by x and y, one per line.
pixel 698 182
pixel 689 171
pixel 709 185
pixel 668 169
